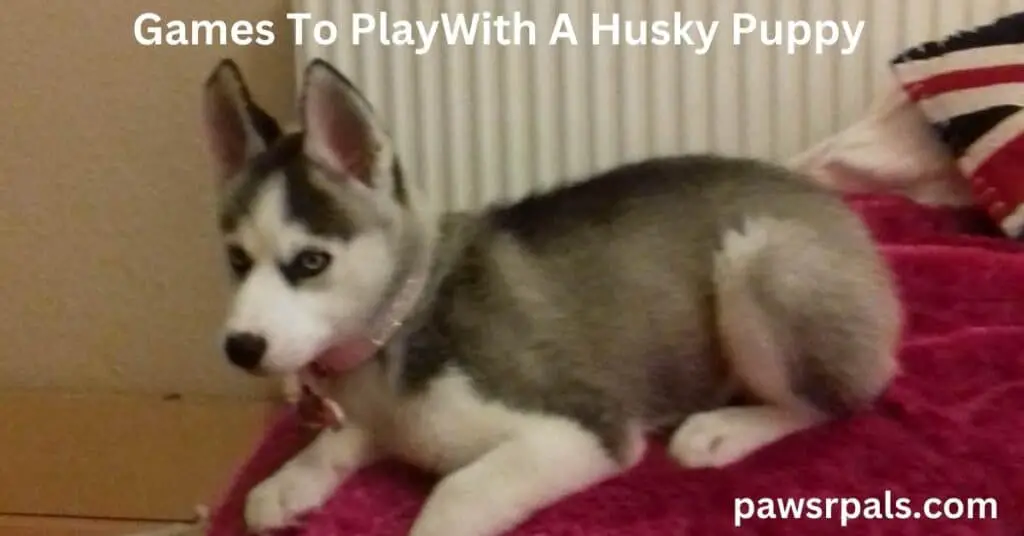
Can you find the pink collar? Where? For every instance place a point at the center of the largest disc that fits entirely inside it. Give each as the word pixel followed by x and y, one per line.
pixel 315 406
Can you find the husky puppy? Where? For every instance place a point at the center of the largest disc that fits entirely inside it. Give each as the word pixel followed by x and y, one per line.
pixel 524 352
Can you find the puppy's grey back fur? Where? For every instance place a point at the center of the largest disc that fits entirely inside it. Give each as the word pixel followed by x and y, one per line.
pixel 596 300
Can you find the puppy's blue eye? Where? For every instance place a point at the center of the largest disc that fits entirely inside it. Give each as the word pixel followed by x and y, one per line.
pixel 308 263
pixel 239 260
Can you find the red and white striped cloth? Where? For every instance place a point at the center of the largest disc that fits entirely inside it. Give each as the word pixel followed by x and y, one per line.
pixel 970 86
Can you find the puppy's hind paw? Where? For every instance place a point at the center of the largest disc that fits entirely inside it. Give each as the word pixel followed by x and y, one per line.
pixel 722 437
pixel 278 501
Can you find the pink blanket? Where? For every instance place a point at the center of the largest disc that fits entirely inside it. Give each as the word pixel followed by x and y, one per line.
pixel 950 427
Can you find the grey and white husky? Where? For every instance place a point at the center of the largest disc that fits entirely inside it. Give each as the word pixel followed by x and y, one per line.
pixel 524 352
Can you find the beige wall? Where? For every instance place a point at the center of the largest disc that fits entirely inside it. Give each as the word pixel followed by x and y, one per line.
pixel 111 276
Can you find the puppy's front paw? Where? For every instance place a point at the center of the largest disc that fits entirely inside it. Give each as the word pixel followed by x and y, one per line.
pixel 280 499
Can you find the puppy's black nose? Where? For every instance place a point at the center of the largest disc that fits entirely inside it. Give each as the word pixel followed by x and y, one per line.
pixel 245 350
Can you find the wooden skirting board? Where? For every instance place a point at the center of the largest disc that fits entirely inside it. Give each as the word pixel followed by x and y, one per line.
pixel 58 526
pixel 118 456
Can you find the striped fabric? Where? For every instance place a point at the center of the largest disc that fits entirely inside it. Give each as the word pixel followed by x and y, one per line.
pixel 970 86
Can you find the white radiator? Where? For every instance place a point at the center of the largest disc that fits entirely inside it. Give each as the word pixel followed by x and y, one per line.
pixel 476 123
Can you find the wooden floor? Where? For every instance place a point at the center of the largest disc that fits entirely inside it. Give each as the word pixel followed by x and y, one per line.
pixel 114 465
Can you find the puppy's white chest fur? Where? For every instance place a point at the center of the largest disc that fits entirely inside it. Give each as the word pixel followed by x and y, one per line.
pixel 441 429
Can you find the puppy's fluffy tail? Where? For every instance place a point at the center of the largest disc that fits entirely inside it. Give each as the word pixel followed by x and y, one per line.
pixel 809 317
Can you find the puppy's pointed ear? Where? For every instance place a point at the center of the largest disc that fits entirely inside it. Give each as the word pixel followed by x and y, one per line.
pixel 236 128
pixel 341 131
